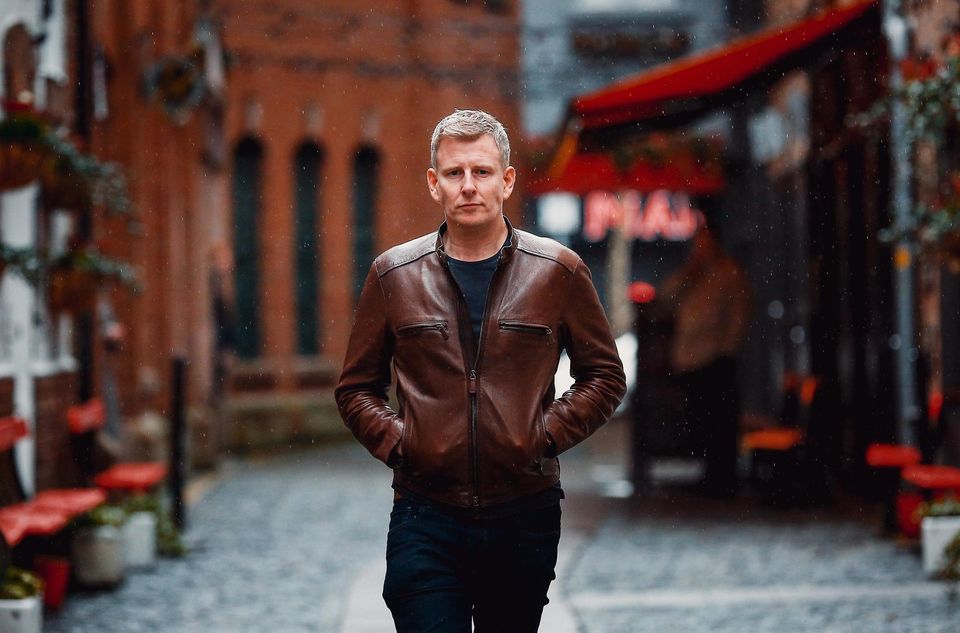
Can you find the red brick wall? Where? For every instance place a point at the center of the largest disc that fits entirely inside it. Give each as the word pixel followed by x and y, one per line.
pixel 56 464
pixel 344 74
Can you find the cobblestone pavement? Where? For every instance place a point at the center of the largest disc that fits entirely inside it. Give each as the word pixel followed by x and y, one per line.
pixel 275 545
pixel 290 544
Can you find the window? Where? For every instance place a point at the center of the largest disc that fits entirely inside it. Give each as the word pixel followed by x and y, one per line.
pixel 307 163
pixel 247 194
pixel 366 168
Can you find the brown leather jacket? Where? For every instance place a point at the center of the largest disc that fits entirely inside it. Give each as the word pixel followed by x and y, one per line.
pixel 473 419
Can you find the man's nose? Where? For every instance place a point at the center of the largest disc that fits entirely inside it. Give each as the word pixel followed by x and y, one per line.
pixel 468 185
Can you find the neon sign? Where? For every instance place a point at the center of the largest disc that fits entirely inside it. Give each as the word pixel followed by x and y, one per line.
pixel 661 215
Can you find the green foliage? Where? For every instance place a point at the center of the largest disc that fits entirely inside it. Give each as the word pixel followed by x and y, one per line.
pixel 169 539
pixel 103 184
pixel 22 126
pixel 947 507
pixel 20 584
pixel 950 570
pixel 930 98
pixel 23 261
pixel 104 268
pixel 103 515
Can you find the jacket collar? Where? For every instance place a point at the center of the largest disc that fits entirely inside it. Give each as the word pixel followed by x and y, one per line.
pixel 505 252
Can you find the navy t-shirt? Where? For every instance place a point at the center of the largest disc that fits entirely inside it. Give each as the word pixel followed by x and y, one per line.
pixel 474 280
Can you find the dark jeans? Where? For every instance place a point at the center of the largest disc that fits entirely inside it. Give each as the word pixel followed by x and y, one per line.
pixel 445 567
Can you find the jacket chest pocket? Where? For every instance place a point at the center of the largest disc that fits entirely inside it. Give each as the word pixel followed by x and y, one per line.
pixel 424 328
pixel 529 329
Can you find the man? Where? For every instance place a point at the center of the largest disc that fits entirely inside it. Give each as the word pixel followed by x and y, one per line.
pixel 710 300
pixel 472 319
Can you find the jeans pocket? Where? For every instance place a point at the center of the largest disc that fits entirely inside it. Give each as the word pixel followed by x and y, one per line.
pixel 402 514
pixel 540 521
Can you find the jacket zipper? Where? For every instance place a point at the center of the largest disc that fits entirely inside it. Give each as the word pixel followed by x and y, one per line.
pixel 530 328
pixel 473 374
pixel 440 326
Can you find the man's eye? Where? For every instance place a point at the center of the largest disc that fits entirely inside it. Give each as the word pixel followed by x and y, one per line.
pixel 455 172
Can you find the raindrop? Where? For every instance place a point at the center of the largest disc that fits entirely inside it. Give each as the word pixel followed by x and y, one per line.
pixel 775 309
pixel 797 334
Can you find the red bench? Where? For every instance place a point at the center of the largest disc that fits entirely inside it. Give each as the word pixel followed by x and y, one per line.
pixel 138 477
pixel 50 511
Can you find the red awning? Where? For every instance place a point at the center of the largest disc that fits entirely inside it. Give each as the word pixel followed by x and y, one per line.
pixel 595 171
pixel 683 85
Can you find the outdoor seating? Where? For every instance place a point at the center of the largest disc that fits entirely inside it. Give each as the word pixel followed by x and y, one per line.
pixel 777 453
pixel 135 477
pixel 49 511
pixel 887 461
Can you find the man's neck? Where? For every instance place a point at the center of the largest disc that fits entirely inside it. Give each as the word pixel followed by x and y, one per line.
pixel 474 245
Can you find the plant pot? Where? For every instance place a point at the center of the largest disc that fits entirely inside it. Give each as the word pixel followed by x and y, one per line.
pixel 97 554
pixel 54 571
pixel 936 533
pixel 20 164
pixel 140 540
pixel 21 616
pixel 71 290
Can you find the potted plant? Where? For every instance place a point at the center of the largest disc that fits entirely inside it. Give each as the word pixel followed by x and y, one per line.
pixel 20 602
pixel 140 531
pixel 23 145
pixel 97 547
pixel 75 275
pixel 940 538
pixel 167 537
pixel 73 179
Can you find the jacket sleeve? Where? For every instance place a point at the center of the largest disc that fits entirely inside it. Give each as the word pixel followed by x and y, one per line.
pixel 599 382
pixel 361 392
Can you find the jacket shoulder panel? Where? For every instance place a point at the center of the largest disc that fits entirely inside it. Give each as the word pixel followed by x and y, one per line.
pixel 406 253
pixel 547 248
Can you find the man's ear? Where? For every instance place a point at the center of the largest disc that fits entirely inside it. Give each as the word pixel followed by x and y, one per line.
pixel 433 184
pixel 509 179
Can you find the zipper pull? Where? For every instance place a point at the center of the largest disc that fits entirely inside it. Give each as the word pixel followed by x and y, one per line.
pixel 476 501
pixel 473 381
pixel 442 327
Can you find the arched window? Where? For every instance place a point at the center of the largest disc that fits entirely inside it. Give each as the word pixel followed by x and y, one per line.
pixel 366 168
pixel 247 197
pixel 307 163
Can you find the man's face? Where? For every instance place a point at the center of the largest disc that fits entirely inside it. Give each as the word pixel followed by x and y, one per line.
pixel 470 182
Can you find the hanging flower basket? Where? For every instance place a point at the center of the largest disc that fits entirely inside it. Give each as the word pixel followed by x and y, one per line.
pixel 23 147
pixel 72 179
pixel 75 276
pixel 19 164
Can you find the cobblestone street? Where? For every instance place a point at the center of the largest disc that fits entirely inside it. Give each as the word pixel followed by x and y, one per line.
pixel 295 544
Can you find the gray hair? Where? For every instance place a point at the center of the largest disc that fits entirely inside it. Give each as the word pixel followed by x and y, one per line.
pixel 470 124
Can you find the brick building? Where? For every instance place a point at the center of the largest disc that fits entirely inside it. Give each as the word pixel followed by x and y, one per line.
pixel 327 123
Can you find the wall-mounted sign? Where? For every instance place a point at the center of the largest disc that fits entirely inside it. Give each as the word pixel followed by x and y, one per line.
pixel 660 215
